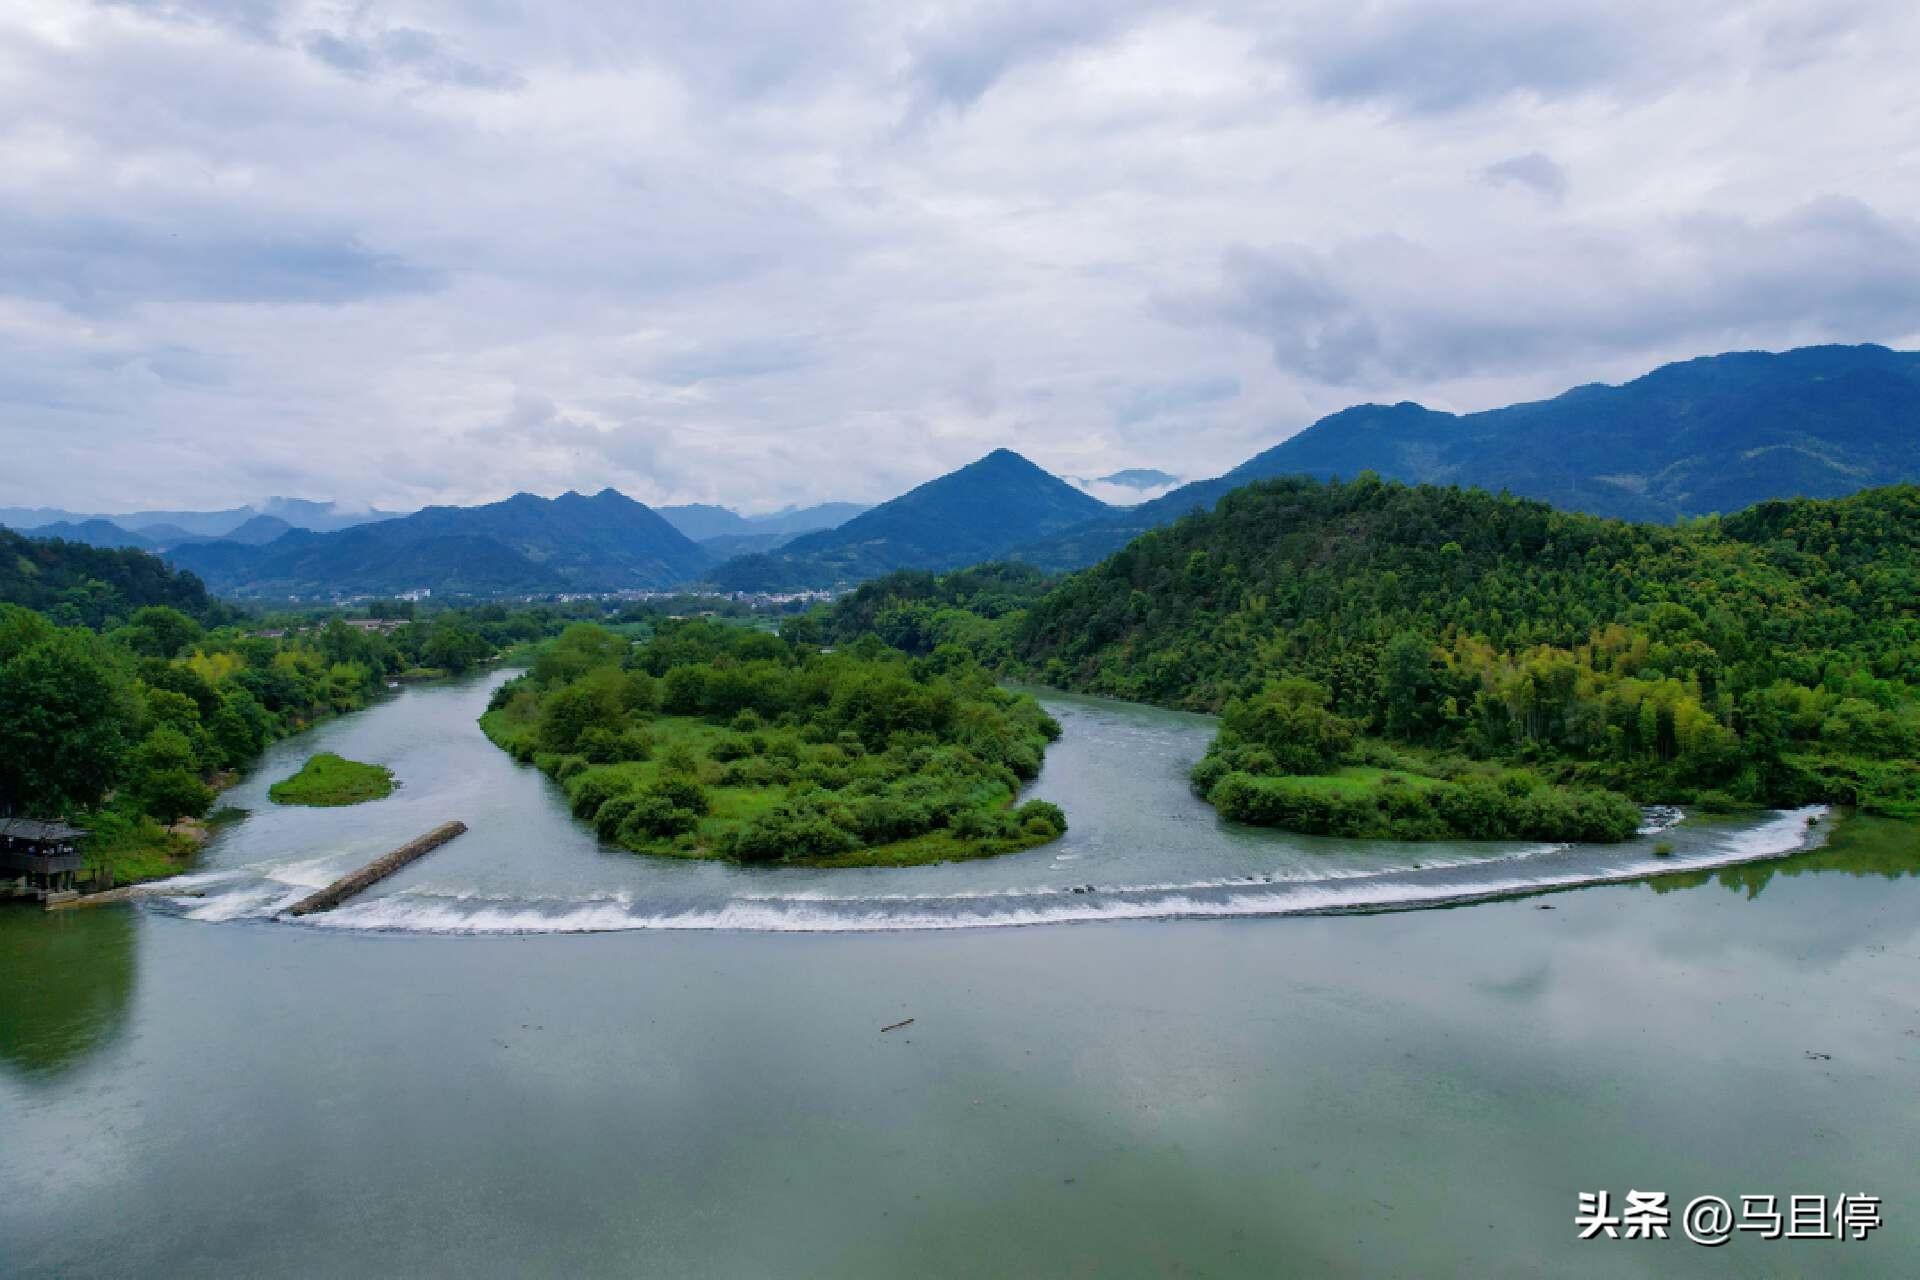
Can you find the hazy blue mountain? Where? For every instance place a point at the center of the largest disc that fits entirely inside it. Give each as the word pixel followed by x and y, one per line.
pixel 165 535
pixel 93 533
pixel 728 545
pixel 1139 478
pixel 793 521
pixel 526 544
pixel 166 528
pixel 976 513
pixel 260 530
pixel 321 517
pixel 704 522
pixel 1717 433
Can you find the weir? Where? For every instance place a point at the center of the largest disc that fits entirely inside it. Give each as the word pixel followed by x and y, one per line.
pixel 376 871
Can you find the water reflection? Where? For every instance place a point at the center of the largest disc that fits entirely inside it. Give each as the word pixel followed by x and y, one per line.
pixel 66 981
pixel 1861 846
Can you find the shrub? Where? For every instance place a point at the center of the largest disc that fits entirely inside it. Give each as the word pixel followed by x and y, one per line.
pixel 591 790
pixel 1042 817
pixel 172 794
pixel 682 792
pixel 652 815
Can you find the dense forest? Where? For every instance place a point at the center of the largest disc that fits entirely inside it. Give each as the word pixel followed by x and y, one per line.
pixel 719 740
pixel 1769 657
pixel 77 585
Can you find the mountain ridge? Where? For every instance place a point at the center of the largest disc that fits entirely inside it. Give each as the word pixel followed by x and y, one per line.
pixel 1714 433
pixel 522 544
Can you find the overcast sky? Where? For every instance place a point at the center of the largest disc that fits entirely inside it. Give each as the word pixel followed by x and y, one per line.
pixel 774 252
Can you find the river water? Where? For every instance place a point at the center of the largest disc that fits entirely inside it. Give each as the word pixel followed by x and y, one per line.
pixel 1186 1087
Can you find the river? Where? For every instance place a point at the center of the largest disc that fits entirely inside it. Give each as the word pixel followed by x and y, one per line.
pixel 620 1064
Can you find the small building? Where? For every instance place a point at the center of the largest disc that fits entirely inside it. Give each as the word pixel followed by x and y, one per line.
pixel 40 858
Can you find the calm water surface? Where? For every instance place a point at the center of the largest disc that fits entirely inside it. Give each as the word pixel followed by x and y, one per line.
pixel 701 1086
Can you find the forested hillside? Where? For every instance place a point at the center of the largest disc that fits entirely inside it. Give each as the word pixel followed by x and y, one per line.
pixel 1768 657
pixel 80 585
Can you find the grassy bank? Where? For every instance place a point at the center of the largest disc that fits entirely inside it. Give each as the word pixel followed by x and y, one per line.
pixel 328 779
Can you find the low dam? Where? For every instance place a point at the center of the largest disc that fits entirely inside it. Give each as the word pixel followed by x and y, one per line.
pixel 376 871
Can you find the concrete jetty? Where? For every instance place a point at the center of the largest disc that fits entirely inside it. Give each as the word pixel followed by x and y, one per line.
pixel 376 871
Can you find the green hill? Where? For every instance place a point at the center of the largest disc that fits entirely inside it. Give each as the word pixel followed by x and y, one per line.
pixel 1772 656
pixel 81 585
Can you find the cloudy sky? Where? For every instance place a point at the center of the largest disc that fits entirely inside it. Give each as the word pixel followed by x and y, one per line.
pixel 767 252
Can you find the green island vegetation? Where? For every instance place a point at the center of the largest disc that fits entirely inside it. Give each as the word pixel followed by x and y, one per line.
pixel 328 779
pixel 1407 660
pixel 717 740
pixel 128 696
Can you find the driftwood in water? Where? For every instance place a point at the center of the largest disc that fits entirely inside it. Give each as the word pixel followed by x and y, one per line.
pixel 896 1026
pixel 376 871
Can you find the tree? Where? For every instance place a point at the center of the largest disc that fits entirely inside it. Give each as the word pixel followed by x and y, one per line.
pixel 1406 682
pixel 1291 720
pixel 65 720
pixel 161 632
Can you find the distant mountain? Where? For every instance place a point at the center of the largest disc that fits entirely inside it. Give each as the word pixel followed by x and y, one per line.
pixel 260 530
pixel 1714 434
pixel 1717 433
pixel 92 533
pixel 167 528
pixel 728 545
pixel 704 522
pixel 321 517
pixel 526 544
pixel 701 520
pixel 1139 478
pixel 165 535
pixel 94 586
pixel 793 521
pixel 976 513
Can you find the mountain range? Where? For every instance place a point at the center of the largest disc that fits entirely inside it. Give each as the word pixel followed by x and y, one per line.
pixel 1713 434
pixel 723 532
pixel 170 528
pixel 523 545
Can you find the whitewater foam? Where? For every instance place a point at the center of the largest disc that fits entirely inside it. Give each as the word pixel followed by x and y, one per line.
pixel 1332 890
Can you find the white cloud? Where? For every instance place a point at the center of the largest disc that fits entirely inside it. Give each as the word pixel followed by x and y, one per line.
pixel 773 254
